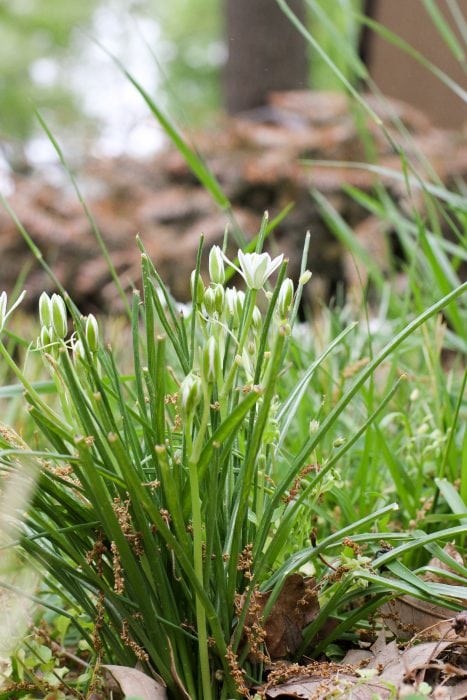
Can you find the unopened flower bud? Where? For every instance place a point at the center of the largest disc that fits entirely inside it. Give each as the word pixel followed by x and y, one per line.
pixel 190 394
pixel 240 302
pixel 209 301
pixel 219 296
pixel 304 278
pixel 211 360
pixel 216 265
pixel 78 351
pixel 46 337
pixel 45 309
pixel 59 319
pixel 198 294
pixel 314 426
pixel 285 298
pixel 92 333
pixel 257 319
pixel 230 294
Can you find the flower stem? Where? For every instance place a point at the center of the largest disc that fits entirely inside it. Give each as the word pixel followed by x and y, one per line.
pixel 194 453
pixel 241 344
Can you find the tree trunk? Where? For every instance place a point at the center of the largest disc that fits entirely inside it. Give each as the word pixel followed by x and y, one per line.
pixel 266 52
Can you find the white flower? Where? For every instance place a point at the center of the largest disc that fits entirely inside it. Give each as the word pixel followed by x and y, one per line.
pixel 256 268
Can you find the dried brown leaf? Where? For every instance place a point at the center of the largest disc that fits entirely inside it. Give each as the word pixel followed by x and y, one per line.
pixel 134 682
pixel 339 685
pixel 405 665
pixel 407 616
pixel 296 606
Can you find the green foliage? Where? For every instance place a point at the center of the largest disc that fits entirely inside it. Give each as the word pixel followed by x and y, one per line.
pixel 30 32
pixel 336 29
pixel 172 494
pixel 193 36
pixel 241 447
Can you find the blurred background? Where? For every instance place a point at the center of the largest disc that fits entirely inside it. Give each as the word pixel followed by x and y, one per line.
pixel 200 60
pixel 50 58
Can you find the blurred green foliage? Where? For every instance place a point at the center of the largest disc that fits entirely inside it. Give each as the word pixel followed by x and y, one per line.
pixel 193 32
pixel 33 31
pixel 40 40
pixel 335 27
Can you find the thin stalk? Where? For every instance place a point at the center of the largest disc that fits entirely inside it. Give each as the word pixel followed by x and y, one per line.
pixel 198 540
pixel 229 380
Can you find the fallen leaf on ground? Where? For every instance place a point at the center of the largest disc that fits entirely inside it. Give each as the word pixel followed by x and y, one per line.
pixel 340 685
pixel 296 606
pixel 407 616
pixel 136 683
pixel 389 670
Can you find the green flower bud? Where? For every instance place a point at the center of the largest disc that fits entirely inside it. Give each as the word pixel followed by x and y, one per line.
pixel 211 361
pixel 230 304
pixel 304 278
pixel 216 265
pixel 314 426
pixel 45 309
pixel 196 296
pixel 78 351
pixel 285 298
pixel 240 303
pixel 209 301
pixel 59 318
pixel 219 297
pixel 190 394
pixel 257 319
pixel 92 333
pixel 46 337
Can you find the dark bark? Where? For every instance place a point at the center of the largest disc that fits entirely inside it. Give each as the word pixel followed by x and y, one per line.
pixel 369 9
pixel 266 52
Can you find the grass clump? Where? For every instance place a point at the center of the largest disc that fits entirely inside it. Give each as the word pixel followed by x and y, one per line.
pixel 179 504
pixel 226 487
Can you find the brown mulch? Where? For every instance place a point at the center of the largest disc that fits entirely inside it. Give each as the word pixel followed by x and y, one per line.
pixel 256 159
